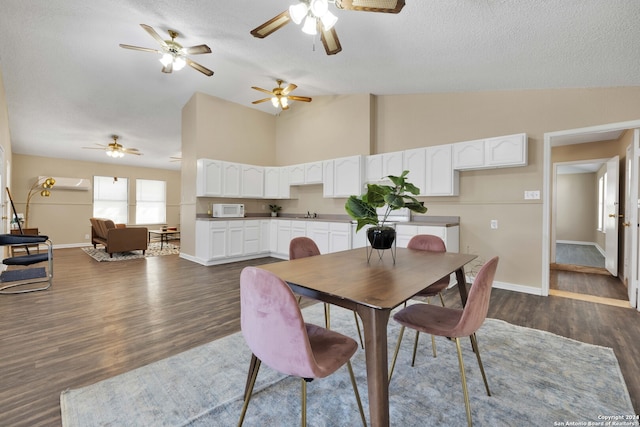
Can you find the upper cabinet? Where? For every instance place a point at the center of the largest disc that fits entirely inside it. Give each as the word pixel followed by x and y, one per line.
pixel 343 177
pixel 252 181
pixel 498 152
pixel 441 178
pixel 209 178
pixel 313 173
pixel 276 183
pixel 378 166
pixel 415 161
pixel 296 174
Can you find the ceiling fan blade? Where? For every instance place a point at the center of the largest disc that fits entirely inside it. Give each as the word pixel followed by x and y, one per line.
pixel 144 49
pixel 168 68
pixel 131 151
pixel 153 34
pixel 263 90
pixel 288 89
pixel 329 40
pixel 197 50
pixel 386 6
pixel 95 148
pixel 204 70
pixel 299 98
pixel 261 100
pixel 271 25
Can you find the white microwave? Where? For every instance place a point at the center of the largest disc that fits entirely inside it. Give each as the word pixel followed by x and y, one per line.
pixel 227 210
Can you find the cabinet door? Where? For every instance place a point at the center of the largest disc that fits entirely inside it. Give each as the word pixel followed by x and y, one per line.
pixel 272 183
pixel 339 237
pixel 209 178
pixel 348 176
pixel 203 250
pixel 392 163
pixel 265 232
pixel 218 240
pixel 273 235
pixel 232 174
pixel 319 233
pixel 252 181
pixel 284 185
pixel 468 155
pixel 284 236
pixel 235 238
pixel 313 173
pixel 503 151
pixel 442 180
pixel 251 237
pixel 296 175
pixel 415 162
pixel 327 178
pixel 373 168
pixel 404 233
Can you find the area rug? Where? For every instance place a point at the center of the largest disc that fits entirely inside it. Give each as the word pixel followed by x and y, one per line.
pixel 153 249
pixel 536 378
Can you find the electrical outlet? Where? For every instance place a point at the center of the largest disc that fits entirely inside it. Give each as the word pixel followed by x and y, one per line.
pixel 532 195
pixel 494 224
pixel 86 237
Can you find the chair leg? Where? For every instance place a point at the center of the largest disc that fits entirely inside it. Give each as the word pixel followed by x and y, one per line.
pixel 395 353
pixel 355 317
pixel 249 391
pixel 303 405
pixel 355 390
pixel 474 339
pixel 415 348
pixel 464 382
pixel 327 316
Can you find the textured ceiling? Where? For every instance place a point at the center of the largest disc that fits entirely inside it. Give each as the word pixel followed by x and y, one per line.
pixel 68 83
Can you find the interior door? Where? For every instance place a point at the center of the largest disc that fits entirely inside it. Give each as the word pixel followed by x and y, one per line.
pixel 611 215
pixel 631 218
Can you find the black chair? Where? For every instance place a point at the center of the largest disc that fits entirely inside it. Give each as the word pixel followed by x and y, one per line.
pixel 26 272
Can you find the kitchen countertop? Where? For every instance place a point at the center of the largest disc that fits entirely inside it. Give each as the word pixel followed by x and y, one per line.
pixel 438 221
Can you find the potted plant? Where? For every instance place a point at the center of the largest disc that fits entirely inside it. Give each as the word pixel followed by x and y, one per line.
pixel 275 209
pixel 396 196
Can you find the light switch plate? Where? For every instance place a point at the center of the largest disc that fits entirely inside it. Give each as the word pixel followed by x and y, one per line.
pixel 532 195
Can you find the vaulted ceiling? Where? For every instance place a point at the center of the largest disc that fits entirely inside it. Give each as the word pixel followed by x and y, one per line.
pixel 69 84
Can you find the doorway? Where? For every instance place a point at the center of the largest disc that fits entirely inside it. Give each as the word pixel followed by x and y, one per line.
pixel 580 136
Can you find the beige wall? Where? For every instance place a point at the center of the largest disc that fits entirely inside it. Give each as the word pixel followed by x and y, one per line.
pixel 64 216
pixel 577 207
pixel 5 144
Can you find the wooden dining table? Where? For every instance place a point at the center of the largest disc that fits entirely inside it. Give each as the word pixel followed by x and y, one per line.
pixel 372 289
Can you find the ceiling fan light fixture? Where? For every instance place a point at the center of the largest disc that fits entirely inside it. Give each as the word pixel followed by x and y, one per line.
pixel 297 12
pixel 328 20
pixel 319 7
pixel 274 102
pixel 179 63
pixel 309 26
pixel 166 59
pixel 284 102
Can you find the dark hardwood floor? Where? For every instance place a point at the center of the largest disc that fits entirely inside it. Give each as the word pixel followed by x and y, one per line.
pixel 102 319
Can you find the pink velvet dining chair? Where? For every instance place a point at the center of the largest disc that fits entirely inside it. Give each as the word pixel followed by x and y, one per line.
pixel 273 327
pixel 303 247
pixel 424 242
pixel 456 323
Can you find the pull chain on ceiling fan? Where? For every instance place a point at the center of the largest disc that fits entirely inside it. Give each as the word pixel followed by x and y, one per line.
pixel 318 19
pixel 280 96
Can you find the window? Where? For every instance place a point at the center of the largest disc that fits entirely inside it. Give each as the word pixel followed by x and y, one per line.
pixel 151 201
pixel 602 185
pixel 110 198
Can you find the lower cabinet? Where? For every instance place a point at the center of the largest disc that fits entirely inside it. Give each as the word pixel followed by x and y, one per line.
pixel 450 235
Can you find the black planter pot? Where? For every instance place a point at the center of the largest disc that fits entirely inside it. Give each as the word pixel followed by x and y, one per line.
pixel 381 237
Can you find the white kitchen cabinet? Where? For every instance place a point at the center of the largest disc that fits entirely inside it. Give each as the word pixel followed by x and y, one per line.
pixel 313 173
pixel 441 178
pixel 284 236
pixel 273 235
pixel 232 173
pixel 377 166
pixel 211 240
pixel 208 178
pixel 296 174
pixel 265 234
pixel 343 176
pixel 252 181
pixel 468 155
pixel 298 229
pixel 235 239
pixel 328 179
pixel 251 237
pixel 450 235
pixel 415 161
pixel 319 232
pixel 506 151
pixel 339 236
pixel 276 183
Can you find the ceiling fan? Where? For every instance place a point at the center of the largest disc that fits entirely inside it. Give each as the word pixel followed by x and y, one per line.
pixel 280 96
pixel 174 56
pixel 114 149
pixel 318 18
